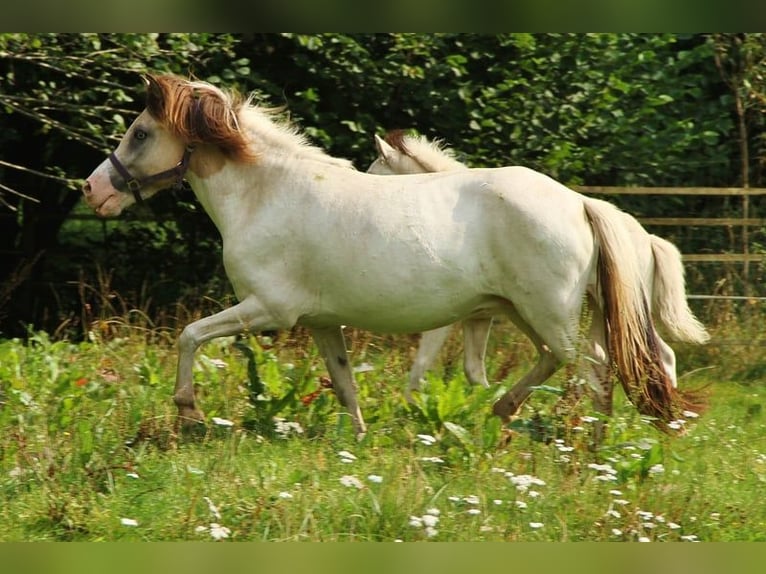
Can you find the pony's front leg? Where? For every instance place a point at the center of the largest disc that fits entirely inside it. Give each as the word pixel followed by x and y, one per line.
pixel 249 314
pixel 475 334
pixel 332 347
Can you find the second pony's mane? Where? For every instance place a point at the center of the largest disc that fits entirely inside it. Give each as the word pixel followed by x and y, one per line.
pixel 432 156
pixel 199 112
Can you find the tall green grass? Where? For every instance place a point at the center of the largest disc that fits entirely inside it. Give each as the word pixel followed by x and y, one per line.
pixel 88 448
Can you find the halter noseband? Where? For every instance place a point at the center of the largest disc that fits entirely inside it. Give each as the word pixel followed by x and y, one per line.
pixel 134 184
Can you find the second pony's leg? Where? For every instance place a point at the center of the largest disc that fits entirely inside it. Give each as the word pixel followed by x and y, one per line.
pixel 431 343
pixel 332 347
pixel 475 334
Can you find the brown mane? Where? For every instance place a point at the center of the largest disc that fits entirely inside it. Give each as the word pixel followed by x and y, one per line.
pixel 198 113
pixel 395 138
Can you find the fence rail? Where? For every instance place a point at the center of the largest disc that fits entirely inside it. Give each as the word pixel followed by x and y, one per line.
pixel 639 190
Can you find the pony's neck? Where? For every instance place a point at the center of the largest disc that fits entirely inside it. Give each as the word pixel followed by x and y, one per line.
pixel 274 140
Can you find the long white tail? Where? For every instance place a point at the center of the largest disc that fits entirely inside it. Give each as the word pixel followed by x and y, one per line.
pixel 669 305
pixel 631 337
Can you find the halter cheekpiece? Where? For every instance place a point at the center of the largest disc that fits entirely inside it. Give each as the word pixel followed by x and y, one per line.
pixel 134 184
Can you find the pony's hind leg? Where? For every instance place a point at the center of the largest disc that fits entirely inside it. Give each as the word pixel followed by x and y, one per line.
pixel 554 332
pixel 475 334
pixel 507 405
pixel 332 347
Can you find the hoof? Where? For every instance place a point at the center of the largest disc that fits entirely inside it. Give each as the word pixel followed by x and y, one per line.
pixel 504 409
pixel 191 421
pixel 408 396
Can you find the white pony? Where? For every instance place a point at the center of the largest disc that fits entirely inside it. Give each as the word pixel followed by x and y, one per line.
pixel 308 240
pixel 401 153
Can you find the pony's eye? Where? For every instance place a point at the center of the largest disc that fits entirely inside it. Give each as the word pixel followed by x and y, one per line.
pixel 140 135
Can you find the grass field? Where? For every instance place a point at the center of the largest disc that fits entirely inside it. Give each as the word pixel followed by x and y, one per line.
pixel 88 450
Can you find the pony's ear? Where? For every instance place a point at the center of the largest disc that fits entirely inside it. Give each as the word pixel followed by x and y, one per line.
pixel 154 92
pixel 384 149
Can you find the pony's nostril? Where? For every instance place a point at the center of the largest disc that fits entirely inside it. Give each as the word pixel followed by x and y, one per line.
pixel 86 188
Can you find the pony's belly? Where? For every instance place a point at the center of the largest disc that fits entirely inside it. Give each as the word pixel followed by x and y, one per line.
pixel 407 317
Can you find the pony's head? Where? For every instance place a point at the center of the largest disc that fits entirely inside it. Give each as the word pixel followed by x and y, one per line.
pixel 400 153
pixel 158 147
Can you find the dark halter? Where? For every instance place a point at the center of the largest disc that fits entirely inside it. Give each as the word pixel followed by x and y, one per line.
pixel 134 184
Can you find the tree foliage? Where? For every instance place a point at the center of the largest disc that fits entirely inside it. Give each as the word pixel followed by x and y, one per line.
pixel 598 109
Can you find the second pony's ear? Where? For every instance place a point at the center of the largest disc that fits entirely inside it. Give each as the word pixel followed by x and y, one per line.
pixel 384 149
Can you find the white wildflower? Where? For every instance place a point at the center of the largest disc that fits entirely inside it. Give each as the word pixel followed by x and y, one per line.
pixel 346 456
pixel 213 508
pixel 219 532
pixel 351 481
pixel 606 477
pixel 364 368
pixel 607 468
pixel 285 428
pixel 222 422
pixel 376 478
pixel 128 521
pixel 427 439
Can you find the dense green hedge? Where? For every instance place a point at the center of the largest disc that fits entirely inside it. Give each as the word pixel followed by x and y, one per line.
pixel 598 109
